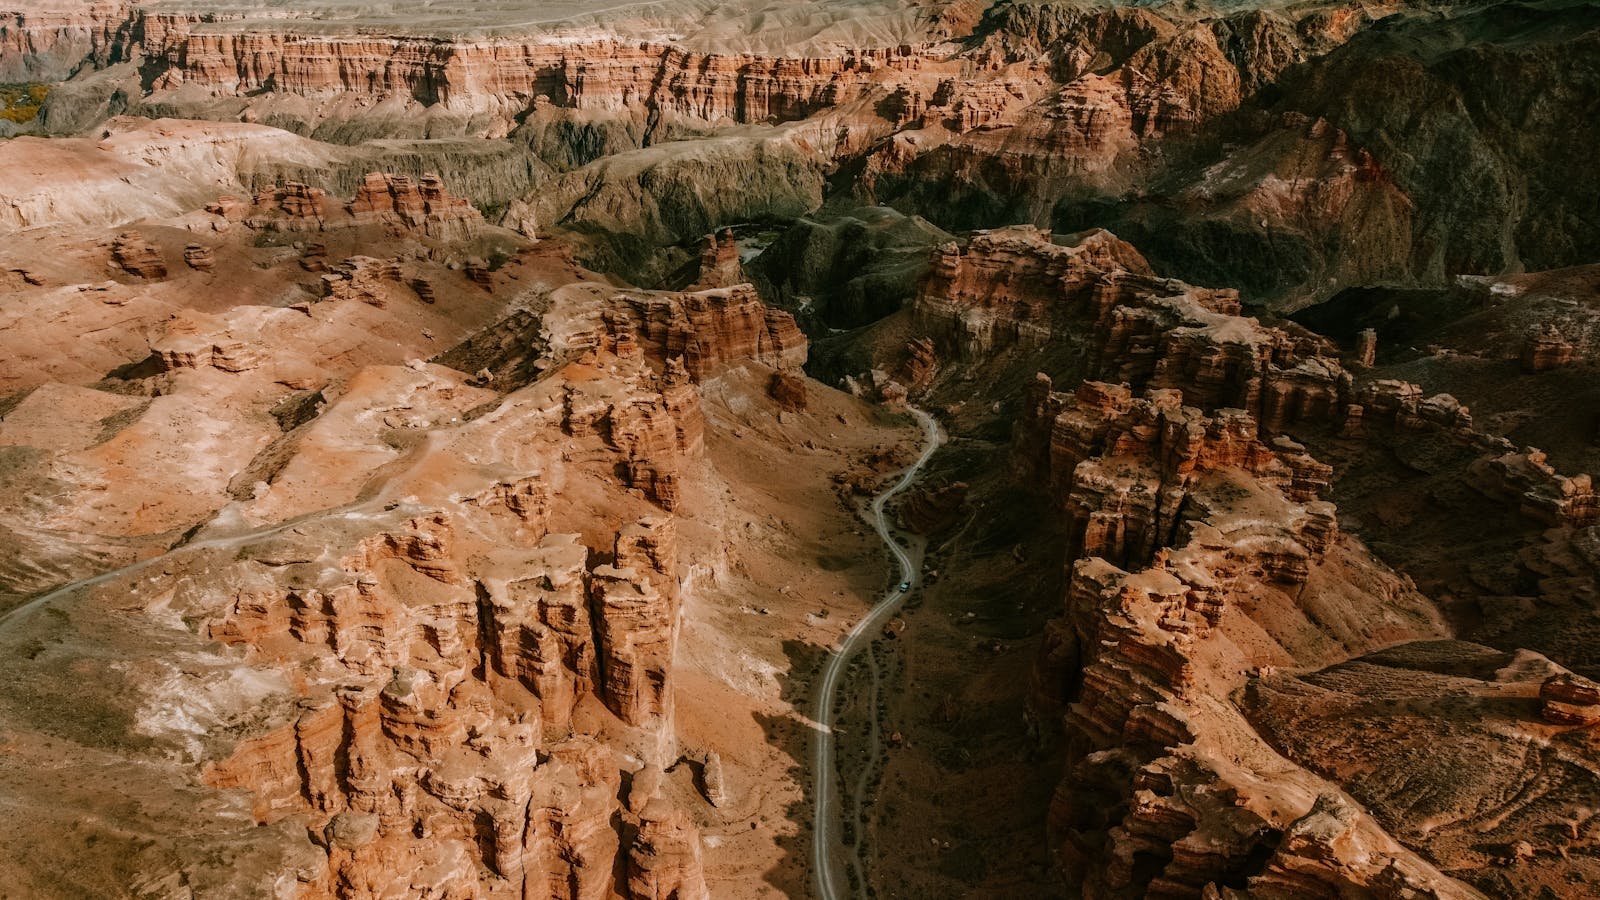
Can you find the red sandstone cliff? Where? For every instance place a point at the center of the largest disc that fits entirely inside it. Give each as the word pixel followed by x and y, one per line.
pixel 1015 288
pixel 424 207
pixel 1203 556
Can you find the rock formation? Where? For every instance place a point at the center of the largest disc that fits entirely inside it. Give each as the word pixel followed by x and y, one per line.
pixel 1569 699
pixel 665 858
pixel 460 681
pixel 598 73
pixel 1007 286
pixel 380 550
pixel 1367 348
pixel 1167 516
pixel 360 278
pixel 440 615
pixel 1014 287
pixel 708 329
pixel 199 257
pixel 424 205
pixel 1202 556
pixel 1528 482
pixel 1168 541
pixel 789 390
pixel 394 202
pixel 138 257
pixel 455 756
pixel 719 262
pixel 930 510
pixel 1546 349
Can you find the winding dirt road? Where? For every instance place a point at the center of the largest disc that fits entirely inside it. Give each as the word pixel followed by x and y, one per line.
pixel 826 815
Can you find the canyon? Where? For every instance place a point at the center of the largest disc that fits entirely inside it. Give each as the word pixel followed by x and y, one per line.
pixel 887 448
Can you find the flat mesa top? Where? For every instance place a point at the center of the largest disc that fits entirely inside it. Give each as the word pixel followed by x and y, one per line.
pixel 769 27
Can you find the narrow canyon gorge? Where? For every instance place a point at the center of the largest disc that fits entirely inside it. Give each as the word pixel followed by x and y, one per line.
pixel 511 450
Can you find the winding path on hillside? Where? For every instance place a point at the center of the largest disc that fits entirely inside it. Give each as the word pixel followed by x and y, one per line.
pixel 823 763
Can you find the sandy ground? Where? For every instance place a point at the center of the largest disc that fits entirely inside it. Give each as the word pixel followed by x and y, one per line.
pixel 786 565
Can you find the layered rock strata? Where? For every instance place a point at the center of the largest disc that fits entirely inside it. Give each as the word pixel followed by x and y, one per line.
pixel 50 41
pixel 1202 556
pixel 430 621
pixel 719 262
pixel 137 257
pixel 444 752
pixel 1014 287
pixel 1546 349
pixel 443 749
pixel 703 331
pixel 395 202
pixel 221 53
pixel 599 73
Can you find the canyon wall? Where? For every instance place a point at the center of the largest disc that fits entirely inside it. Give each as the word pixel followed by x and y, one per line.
pixel 1217 622
pixel 49 41
pixel 448 749
pixel 438 613
pixel 504 76
pixel 1015 289
pixel 1202 560
pixel 1256 148
pixel 363 534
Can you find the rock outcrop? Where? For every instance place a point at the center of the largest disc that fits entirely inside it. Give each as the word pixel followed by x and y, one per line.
pixel 362 279
pixel 1102 443
pixel 392 202
pixel 1569 699
pixel 138 257
pixel 636 608
pixel 1523 480
pixel 789 390
pixel 1202 558
pixel 1202 555
pixel 707 330
pixel 650 434
pixel 199 257
pixel 1546 349
pixel 665 859
pixel 47 42
pixel 598 73
pixel 931 510
pixel 720 266
pixel 425 205
pixel 234 54
pixel 1526 480
pixel 1367 348
pixel 443 748
pixel 1015 288
pixel 448 759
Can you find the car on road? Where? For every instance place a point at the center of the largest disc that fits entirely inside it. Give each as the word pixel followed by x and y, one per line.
pixel 905 586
